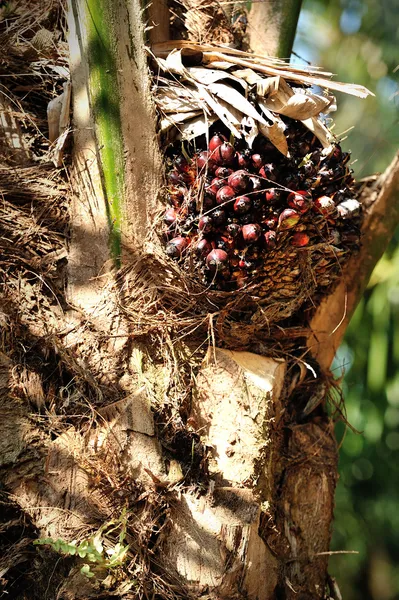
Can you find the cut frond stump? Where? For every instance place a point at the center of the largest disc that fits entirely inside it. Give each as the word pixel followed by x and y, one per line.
pixel 261 203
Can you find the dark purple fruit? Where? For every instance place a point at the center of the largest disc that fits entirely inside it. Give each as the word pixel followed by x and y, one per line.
pixel 176 247
pixel 242 205
pixel 271 222
pixel 244 159
pixel 217 260
pixel 224 195
pixel 219 216
pixel 233 229
pixel 216 184
pixel 205 224
pixel 255 183
pixel 216 141
pixel 270 238
pixel 170 216
pixel 223 172
pixel 181 164
pixel 204 161
pixel 224 155
pixel 203 248
pixel 174 177
pixel 288 219
pixel 251 233
pixel 268 171
pixel 300 201
pixel 239 181
pixel 257 161
pixel 272 196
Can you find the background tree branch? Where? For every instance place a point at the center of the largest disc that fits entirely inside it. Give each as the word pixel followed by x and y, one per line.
pixel 272 26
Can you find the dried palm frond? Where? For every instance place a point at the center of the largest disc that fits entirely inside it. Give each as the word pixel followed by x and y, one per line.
pixel 247 92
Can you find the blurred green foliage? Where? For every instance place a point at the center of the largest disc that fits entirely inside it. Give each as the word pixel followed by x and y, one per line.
pixel 359 42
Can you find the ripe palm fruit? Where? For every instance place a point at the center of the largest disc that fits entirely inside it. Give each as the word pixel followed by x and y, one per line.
pixel 205 224
pixel 251 233
pixel 218 216
pixel 300 239
pixel 176 247
pixel 268 171
pixel 288 219
pixel 170 216
pixel 217 260
pixel 203 248
pixel 225 195
pixel 324 205
pixel 224 154
pixel 216 141
pixel 205 161
pixel 239 181
pixel 223 172
pixel 244 159
pixel 242 205
pixel 270 238
pixel 300 201
pixel 233 229
pixel 215 185
pixel 181 164
pixel 257 161
pixel 271 221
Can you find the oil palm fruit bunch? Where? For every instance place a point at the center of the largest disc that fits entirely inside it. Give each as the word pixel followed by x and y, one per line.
pixel 240 215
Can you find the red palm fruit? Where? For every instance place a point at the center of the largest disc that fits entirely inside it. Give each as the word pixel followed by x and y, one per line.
pixel 268 171
pixel 272 196
pixel 170 216
pixel 176 247
pixel 271 222
pixel 270 238
pixel 224 155
pixel 205 224
pixel 257 161
pixel 225 195
pixel 205 161
pixel 216 141
pixel 239 181
pixel 325 205
pixel 203 248
pixel 233 229
pixel 244 159
pixel 223 172
pixel 288 219
pixel 219 216
pixel 217 260
pixel 242 205
pixel 300 200
pixel 251 233
pixel 215 185
pixel 174 177
pixel 300 239
pixel 181 164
